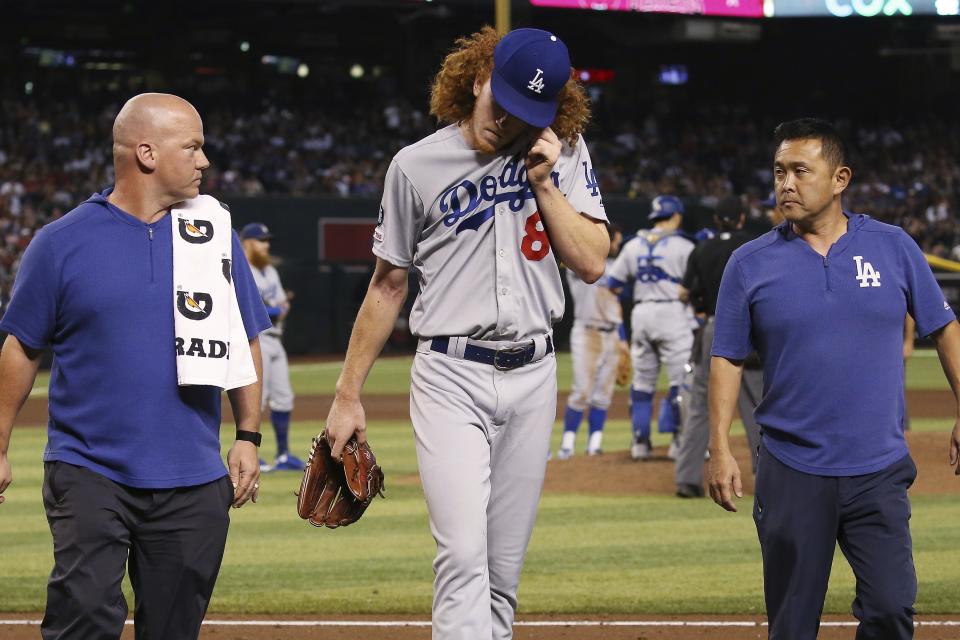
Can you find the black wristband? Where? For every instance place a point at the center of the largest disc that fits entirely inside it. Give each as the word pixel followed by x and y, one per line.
pixel 250 436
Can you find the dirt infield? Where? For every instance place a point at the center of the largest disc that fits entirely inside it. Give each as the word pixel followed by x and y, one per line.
pixel 621 475
pixel 922 403
pixel 581 628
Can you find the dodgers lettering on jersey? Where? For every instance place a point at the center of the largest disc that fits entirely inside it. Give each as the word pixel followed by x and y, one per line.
pixel 468 224
pixel 655 263
pixel 594 304
pixel 271 290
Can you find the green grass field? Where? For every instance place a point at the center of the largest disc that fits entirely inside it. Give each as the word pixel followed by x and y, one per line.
pixel 589 554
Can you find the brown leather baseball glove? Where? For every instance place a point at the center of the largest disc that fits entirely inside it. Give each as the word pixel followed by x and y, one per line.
pixel 333 493
pixel 624 371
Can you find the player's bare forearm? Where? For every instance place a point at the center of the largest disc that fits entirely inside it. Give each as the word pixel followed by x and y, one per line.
pixel 947 340
pixel 580 242
pixel 723 472
pixel 724 389
pixel 948 348
pixel 378 314
pixel 18 370
pixel 245 401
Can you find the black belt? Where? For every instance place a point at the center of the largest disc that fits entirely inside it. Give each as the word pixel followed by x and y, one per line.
pixel 654 301
pixel 501 359
pixel 597 327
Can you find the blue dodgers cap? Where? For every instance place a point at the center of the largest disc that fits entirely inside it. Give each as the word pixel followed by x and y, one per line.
pixel 665 207
pixel 530 67
pixel 255 231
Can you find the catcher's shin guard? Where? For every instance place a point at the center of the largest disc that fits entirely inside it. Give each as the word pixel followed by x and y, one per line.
pixel 668 420
pixel 641 410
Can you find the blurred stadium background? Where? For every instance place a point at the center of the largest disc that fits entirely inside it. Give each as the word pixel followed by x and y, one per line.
pixel 305 102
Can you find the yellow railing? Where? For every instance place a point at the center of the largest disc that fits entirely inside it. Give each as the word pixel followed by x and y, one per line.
pixel 942 263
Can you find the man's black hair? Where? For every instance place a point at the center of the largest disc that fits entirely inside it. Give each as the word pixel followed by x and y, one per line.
pixel 832 146
pixel 728 212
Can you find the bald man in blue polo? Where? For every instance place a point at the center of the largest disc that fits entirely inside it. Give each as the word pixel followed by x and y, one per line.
pixel 822 297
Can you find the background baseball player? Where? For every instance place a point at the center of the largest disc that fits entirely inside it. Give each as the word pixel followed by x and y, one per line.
pixel 482 209
pixel 661 325
pixel 701 286
pixel 596 340
pixel 277 392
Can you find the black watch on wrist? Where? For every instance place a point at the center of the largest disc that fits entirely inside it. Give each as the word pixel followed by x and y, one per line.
pixel 250 436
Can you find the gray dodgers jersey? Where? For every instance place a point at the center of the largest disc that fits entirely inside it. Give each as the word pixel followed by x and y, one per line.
pixel 271 291
pixel 655 262
pixel 594 304
pixel 467 223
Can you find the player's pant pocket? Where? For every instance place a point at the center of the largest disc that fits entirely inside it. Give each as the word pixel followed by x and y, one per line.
pixel 52 492
pixel 226 492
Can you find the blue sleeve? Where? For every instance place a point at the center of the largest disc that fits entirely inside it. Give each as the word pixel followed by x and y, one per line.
pixel 32 313
pixel 274 312
pixel 613 283
pixel 252 309
pixel 731 337
pixel 622 332
pixel 925 300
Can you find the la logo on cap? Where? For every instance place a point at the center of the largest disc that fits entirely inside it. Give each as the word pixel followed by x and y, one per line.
pixel 537 83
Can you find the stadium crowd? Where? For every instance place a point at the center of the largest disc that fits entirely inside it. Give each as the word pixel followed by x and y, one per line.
pixel 53 156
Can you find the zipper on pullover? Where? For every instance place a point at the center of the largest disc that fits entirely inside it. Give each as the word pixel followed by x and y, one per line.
pixel 150 236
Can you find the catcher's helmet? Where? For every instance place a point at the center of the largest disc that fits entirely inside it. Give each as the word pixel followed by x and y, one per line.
pixel 665 207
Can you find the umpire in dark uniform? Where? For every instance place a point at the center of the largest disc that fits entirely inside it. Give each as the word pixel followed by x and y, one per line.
pixel 700 287
pixel 822 297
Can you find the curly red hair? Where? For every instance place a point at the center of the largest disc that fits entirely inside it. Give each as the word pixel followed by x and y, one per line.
pixel 452 99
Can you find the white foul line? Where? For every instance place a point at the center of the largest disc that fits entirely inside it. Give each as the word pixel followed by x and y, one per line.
pixel 530 623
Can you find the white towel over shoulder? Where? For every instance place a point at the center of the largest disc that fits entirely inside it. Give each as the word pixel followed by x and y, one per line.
pixel 211 342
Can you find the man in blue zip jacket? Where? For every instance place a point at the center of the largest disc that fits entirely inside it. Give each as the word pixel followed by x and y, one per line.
pixel 822 297
pixel 132 467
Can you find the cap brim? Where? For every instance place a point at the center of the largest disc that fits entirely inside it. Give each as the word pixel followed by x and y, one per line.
pixel 533 112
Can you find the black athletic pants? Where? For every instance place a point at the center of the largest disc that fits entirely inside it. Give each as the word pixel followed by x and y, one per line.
pixel 801 517
pixel 172 538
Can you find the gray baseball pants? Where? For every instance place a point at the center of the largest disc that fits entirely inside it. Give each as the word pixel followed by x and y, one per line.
pixel 695 435
pixel 277 392
pixel 482 438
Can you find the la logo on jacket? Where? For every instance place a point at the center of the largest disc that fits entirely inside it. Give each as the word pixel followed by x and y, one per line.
pixel 866 274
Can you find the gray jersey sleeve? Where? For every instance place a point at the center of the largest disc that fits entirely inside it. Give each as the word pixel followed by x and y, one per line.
pixel 624 267
pixel 581 186
pixel 400 220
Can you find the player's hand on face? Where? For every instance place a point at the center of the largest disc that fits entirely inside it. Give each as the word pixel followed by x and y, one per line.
pixel 954 449
pixel 243 462
pixel 542 156
pixel 6 476
pixel 346 418
pixel 723 479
